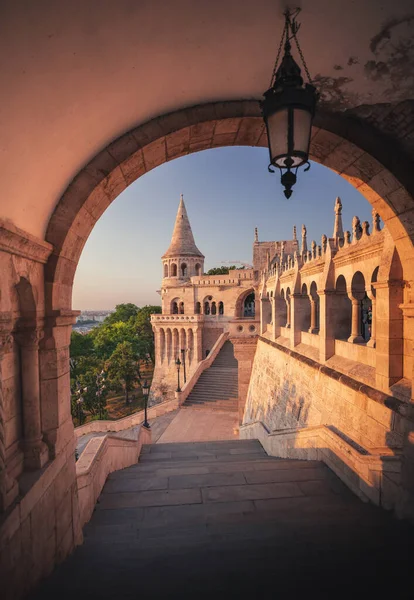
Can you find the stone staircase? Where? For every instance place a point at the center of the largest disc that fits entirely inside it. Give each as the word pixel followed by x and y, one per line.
pixel 224 520
pixel 217 387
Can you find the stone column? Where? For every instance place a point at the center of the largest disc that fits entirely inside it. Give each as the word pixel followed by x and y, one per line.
pixel 36 453
pixel 372 340
pixel 326 323
pixel 8 486
pixel 295 318
pixel 390 332
pixel 198 344
pixel 244 351
pixel 313 321
pixel 355 337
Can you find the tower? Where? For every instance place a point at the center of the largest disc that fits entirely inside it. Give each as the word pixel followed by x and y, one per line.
pixel 183 259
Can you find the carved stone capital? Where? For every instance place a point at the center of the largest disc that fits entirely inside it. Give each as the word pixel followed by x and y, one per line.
pixel 28 338
pixel 6 338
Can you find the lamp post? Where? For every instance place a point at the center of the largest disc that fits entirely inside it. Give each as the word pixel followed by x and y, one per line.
pixel 79 399
pixel 178 365
pixel 100 387
pixel 145 392
pixel 183 351
pixel 288 109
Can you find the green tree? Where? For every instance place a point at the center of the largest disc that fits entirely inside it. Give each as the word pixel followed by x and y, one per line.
pixel 107 337
pixel 145 346
pixel 123 312
pixel 221 270
pixel 80 345
pixel 122 367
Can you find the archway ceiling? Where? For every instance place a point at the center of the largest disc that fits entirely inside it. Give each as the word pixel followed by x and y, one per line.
pixel 76 75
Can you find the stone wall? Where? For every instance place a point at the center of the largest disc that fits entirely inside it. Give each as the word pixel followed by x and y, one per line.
pixel 210 337
pixel 288 390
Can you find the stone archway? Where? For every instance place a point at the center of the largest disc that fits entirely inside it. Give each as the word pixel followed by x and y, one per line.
pixel 382 173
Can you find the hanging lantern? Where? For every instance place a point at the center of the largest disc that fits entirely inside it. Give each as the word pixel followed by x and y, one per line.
pixel 288 109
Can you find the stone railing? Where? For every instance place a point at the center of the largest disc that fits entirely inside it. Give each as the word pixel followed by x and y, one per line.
pixel 173 319
pixel 372 474
pixel 126 422
pixel 102 456
pixel 202 366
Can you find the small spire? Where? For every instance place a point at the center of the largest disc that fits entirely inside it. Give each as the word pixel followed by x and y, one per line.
pixel 304 242
pixel 338 232
pixel 294 233
pixel 256 235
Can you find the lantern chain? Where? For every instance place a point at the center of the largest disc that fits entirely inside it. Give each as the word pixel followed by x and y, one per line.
pixel 302 57
pixel 285 32
pixel 290 22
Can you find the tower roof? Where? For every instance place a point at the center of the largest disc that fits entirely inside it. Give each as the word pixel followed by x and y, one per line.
pixel 182 241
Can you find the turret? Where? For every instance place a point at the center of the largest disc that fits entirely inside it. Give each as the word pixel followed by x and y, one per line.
pixel 183 259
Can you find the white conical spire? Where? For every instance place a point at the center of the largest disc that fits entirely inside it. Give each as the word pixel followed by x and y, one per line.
pixel 182 241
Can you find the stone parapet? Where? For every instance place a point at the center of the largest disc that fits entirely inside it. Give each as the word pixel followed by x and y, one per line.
pixel 373 475
pixel 102 456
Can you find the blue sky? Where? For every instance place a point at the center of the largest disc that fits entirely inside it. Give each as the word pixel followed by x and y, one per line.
pixel 228 192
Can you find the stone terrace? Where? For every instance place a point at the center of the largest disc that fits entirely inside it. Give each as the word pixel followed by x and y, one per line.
pixel 224 520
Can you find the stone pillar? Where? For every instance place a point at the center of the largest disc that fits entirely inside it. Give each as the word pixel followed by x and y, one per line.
pixel 313 321
pixel 198 344
pixel 244 351
pixel 295 319
pixel 355 337
pixel 9 488
pixel 371 342
pixel 35 450
pixel 326 324
pixel 389 333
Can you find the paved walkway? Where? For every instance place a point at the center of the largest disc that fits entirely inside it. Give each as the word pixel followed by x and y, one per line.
pixel 185 425
pixel 222 520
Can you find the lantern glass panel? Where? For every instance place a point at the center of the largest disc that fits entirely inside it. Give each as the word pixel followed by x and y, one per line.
pixel 277 130
pixel 302 122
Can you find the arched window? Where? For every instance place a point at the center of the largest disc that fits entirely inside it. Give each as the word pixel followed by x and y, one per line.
pixel 213 308
pixel 165 270
pixel 183 269
pixel 198 308
pixel 198 269
pixel 181 308
pixel 306 309
pixel 342 311
pixel 221 308
pixel 249 306
pixel 206 308
pixel 173 270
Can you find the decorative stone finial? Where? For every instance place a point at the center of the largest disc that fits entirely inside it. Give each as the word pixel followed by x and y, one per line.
pixel 256 235
pixel 324 243
pixel 375 221
pixel 304 242
pixel 356 229
pixel 338 232
pixel 313 246
pixel 347 238
pixel 365 228
pixel 294 233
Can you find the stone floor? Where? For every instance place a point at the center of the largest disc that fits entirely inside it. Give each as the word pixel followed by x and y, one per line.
pixel 185 425
pixel 200 425
pixel 223 520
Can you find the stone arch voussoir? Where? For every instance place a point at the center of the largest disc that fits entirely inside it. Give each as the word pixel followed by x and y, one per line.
pixel 379 170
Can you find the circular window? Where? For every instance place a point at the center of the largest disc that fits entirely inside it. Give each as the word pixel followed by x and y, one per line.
pixel 252 328
pixel 240 328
